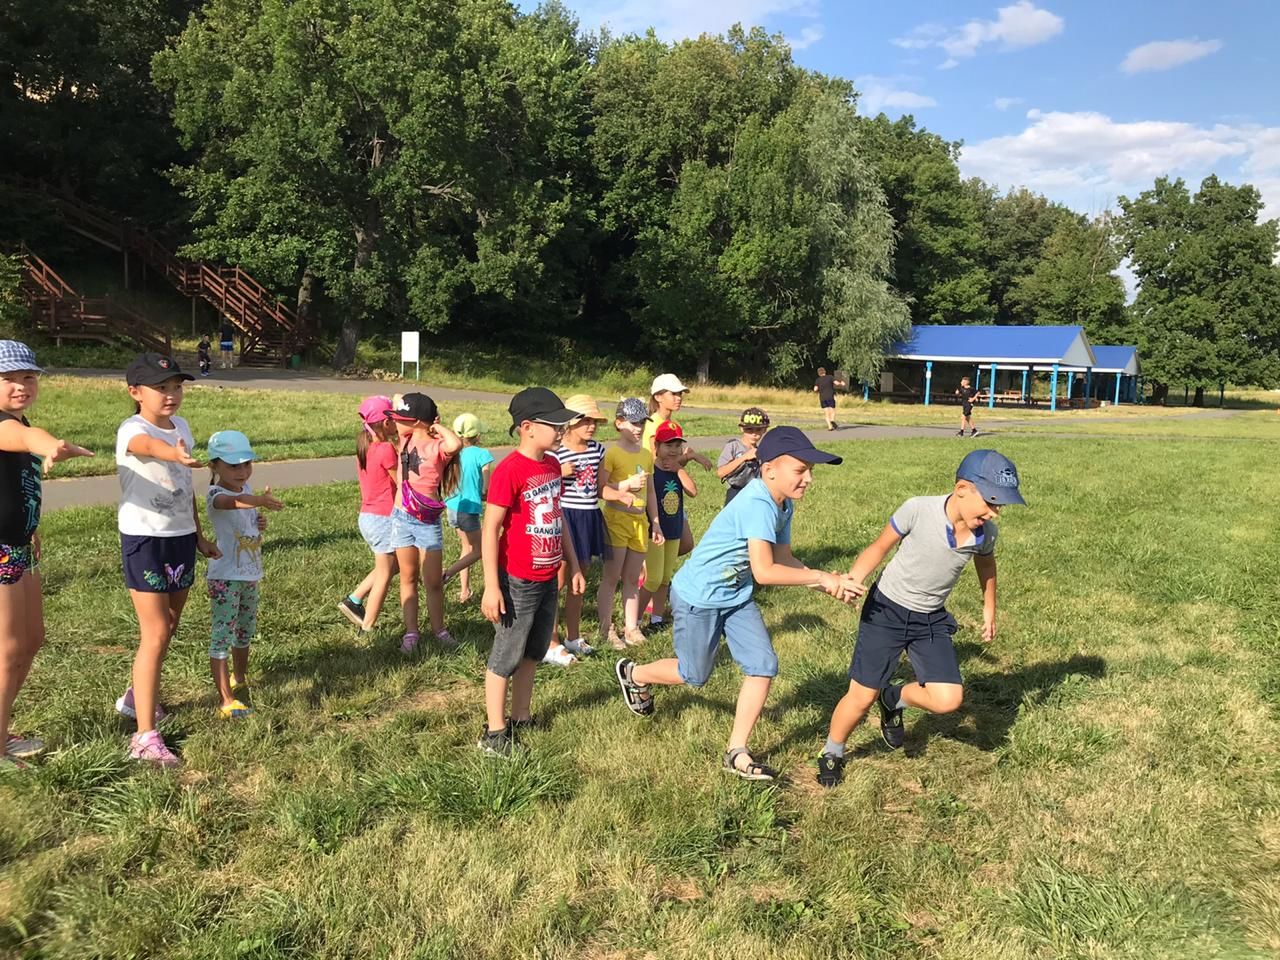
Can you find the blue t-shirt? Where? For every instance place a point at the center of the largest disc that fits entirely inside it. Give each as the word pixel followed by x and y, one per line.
pixel 718 572
pixel 468 498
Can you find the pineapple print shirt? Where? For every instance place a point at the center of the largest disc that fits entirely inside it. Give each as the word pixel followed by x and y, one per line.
pixel 670 502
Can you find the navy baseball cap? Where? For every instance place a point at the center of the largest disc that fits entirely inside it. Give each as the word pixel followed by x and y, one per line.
pixel 791 441
pixel 993 474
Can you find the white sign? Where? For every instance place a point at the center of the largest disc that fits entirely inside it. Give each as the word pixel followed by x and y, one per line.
pixel 409 352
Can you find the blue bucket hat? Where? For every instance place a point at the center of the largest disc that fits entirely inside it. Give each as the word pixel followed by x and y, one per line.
pixel 15 355
pixel 231 446
pixel 993 474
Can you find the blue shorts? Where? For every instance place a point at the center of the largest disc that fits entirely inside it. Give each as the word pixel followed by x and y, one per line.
pixel 466 522
pixel 158 564
pixel 828 404
pixel 376 530
pixel 887 629
pixel 696 632
pixel 408 532
pixel 226 345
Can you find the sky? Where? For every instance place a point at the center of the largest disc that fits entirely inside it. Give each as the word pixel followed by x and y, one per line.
pixel 1080 100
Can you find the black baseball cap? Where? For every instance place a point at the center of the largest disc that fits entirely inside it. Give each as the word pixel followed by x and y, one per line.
pixel 993 474
pixel 791 441
pixel 541 406
pixel 149 369
pixel 411 407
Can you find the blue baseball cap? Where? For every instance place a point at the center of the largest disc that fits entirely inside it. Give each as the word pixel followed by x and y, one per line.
pixel 791 441
pixel 993 474
pixel 15 355
pixel 231 446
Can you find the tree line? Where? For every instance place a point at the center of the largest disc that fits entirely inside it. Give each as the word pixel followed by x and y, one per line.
pixel 467 169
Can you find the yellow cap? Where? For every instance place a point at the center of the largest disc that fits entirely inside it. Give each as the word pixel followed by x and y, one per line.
pixel 467 425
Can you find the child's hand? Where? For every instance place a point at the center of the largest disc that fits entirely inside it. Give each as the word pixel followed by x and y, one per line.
pixel 566 471
pixel 655 533
pixel 35 546
pixel 988 630
pixel 492 605
pixel 750 454
pixel 632 483
pixel 64 451
pixel 262 524
pixel 577 584
pixel 180 455
pixel 207 548
pixel 268 501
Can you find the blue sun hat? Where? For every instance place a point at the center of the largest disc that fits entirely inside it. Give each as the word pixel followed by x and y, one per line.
pixel 993 474
pixel 231 446
pixel 15 356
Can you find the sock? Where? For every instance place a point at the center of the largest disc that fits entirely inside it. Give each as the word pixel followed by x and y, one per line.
pixel 892 696
pixel 354 599
pixel 833 748
pixel 656 620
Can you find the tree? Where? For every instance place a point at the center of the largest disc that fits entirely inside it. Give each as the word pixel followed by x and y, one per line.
pixel 13 308
pixel 1208 304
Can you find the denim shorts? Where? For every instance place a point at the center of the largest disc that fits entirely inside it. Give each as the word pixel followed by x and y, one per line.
pixel 524 631
pixel 886 629
pixel 376 530
pixel 408 532
pixel 466 522
pixel 696 632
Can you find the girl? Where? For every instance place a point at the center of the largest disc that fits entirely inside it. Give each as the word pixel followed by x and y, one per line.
pixel 666 397
pixel 428 468
pixel 376 463
pixel 467 503
pixel 233 576
pixel 159 534
pixel 628 527
pixel 671 484
pixel 22 447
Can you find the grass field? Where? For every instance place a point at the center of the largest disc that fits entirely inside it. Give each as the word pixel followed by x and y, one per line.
pixel 1111 789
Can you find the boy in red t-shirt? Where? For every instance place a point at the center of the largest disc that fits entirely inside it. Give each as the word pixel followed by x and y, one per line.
pixel 522 549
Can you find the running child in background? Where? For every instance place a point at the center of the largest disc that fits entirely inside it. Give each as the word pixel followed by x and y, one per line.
pixel 671 484
pixel 376 465
pixel 906 608
pixel 523 549
pixel 428 470
pixel 738 464
pixel 967 395
pixel 467 504
pixel 202 352
pixel 159 534
pixel 825 388
pixel 233 577
pixel 628 526
pixel 22 448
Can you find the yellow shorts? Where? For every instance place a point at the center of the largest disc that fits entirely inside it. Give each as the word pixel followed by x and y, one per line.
pixel 660 564
pixel 628 531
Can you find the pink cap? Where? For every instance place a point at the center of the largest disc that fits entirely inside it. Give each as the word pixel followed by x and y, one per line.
pixel 375 409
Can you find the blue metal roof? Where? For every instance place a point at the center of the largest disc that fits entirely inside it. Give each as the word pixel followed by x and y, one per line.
pixel 997 344
pixel 1114 359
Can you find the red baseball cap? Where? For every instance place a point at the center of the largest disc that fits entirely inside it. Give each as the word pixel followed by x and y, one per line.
pixel 667 430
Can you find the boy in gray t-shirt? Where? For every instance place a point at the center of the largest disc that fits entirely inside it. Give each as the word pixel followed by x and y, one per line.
pixel 905 611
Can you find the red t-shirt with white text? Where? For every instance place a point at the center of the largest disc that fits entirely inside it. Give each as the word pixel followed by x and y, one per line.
pixel 529 545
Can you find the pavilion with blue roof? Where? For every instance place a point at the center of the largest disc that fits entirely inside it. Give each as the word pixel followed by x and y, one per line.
pixel 1006 357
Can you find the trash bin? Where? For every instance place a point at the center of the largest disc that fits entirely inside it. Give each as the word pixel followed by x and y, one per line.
pixel 295 362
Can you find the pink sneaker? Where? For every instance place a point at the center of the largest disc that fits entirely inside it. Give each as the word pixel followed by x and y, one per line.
pixel 150 746
pixel 446 640
pixel 409 643
pixel 124 707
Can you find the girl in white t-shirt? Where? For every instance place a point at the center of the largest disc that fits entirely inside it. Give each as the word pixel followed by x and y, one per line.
pixel 159 534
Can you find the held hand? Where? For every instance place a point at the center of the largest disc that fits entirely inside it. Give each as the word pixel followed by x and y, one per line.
pixel 633 483
pixel 207 548
pixel 492 605
pixel 578 584
pixel 566 471
pixel 64 451
pixel 268 501
pixel 180 455
pixel 655 534
pixel 988 630
pixel 262 523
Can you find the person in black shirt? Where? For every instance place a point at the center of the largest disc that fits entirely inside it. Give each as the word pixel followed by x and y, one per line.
pixel 202 351
pixel 227 344
pixel 967 395
pixel 825 388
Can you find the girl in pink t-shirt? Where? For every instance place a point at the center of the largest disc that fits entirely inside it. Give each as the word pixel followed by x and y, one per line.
pixel 376 461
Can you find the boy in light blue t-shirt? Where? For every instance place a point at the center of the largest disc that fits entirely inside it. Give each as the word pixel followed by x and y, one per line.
pixel 712 595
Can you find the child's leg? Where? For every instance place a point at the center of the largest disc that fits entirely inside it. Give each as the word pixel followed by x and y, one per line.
pixel 246 628
pixel 407 558
pixel 384 568
pixel 362 591
pixel 538 616
pixel 433 582
pixel 662 596
pixel 934 697
pixel 850 711
pixel 696 635
pixel 751 698
pixel 223 607
pixel 752 650
pixel 573 604
pixel 158 616
pixel 631 564
pixel 608 586
pixel 495 701
pixel 655 566
pixel 686 538
pixel 469 547
pixel 522 690
pixel 21 634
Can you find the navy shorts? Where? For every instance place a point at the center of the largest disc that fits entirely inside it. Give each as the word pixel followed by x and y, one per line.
pixel 828 404
pixel 586 531
pixel 158 564
pixel 967 409
pixel 887 629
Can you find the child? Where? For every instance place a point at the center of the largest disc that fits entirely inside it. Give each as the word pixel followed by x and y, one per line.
pixel 825 387
pixel 466 505
pixel 738 464
pixel 22 447
pixel 748 543
pixel 202 352
pixel 428 470
pixel 233 576
pixel 666 397
pixel 671 484
pixel 523 545
pixel 905 611
pixel 628 527
pixel 376 463
pixel 581 459
pixel 159 534
pixel 967 395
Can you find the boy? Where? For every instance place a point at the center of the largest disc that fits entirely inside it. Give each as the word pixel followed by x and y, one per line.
pixel 967 395
pixel 825 388
pixel 202 352
pixel 522 549
pixel 748 543
pixel 905 609
pixel 738 464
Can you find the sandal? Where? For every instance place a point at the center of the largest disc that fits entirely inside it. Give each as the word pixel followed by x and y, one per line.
pixel 753 769
pixel 235 710
pixel 637 697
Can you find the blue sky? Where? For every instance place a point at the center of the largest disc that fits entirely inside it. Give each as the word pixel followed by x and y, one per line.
pixel 1081 100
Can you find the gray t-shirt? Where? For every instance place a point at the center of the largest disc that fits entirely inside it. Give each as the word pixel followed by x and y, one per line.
pixel 745 473
pixel 928 563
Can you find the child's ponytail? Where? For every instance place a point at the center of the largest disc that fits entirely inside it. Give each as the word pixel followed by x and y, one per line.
pixel 449 478
pixel 363 439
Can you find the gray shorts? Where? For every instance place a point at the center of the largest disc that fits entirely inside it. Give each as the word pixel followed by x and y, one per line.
pixel 524 632
pixel 466 522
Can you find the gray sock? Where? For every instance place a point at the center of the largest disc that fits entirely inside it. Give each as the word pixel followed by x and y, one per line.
pixel 892 696
pixel 833 748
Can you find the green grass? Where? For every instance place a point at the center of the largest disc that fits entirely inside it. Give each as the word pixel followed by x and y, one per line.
pixel 1107 791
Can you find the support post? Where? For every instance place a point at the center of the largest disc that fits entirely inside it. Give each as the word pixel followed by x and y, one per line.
pixel 977 380
pixel 126 268
pixel 1088 386
pixel 991 389
pixel 1024 386
pixel 1053 391
pixel 1118 376
pixel 1222 393
pixel 928 380
pixel 866 392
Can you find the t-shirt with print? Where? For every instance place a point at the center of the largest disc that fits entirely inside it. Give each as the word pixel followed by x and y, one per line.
pixel 377 489
pixel 20 493
pixel 670 493
pixel 422 463
pixel 734 449
pixel 718 572
pixel 155 495
pixel 927 564
pixel 238 538
pixel 529 544
pixel 582 490
pixel 469 497
pixel 618 465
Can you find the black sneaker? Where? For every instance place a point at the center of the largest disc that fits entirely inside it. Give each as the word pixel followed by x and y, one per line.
pixel 959 433
pixel 974 432
pixel 497 743
pixel 830 770
pixel 352 611
pixel 533 723
pixel 891 724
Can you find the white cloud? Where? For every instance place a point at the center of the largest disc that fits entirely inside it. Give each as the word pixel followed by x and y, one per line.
pixel 1167 54
pixel 1021 24
pixel 678 19
pixel 807 38
pixel 886 93
pixel 1004 103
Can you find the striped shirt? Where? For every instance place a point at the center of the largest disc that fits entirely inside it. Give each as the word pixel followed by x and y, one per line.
pixel 582 490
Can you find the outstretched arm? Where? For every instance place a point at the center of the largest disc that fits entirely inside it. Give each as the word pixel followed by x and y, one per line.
pixel 986 567
pixel 775 565
pixel 15 437
pixel 870 558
